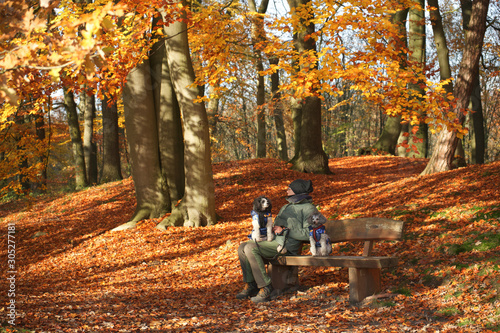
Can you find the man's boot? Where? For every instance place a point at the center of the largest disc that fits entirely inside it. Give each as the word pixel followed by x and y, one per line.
pixel 264 294
pixel 250 290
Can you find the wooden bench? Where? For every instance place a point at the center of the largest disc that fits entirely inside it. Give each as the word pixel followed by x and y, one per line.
pixel 364 271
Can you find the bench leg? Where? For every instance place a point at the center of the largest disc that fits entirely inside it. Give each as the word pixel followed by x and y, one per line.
pixel 283 277
pixel 363 282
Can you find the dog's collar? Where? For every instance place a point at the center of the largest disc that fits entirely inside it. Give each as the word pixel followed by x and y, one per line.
pixel 315 233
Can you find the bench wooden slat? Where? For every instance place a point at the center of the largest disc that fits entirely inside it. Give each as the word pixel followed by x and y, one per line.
pixel 367 249
pixel 363 229
pixel 339 261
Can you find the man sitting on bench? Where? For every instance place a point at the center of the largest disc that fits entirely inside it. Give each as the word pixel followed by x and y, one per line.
pixel 291 229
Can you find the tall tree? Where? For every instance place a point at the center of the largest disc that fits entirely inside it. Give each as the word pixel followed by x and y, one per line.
pixel 151 190
pixel 43 158
pixel 277 109
pixel 478 142
pixel 111 165
pixel 76 140
pixel 417 141
pixel 87 107
pixel 388 139
pixel 311 157
pixel 441 45
pixel 171 145
pixel 444 65
pixel 258 36
pixel 21 120
pixel 442 156
pixel 197 207
pixel 476 106
pixel 213 112
pixel 296 110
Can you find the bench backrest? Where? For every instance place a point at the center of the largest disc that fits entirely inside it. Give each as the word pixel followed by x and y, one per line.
pixel 368 229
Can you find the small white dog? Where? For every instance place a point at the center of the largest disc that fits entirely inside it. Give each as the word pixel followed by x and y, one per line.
pixel 262 220
pixel 320 241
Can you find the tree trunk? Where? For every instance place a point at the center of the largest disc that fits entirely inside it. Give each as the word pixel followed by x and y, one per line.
pixel 296 104
pixel 169 124
pixel 444 67
pixel 416 45
pixel 443 58
pixel 41 136
pixel 345 113
pixel 388 140
pixel 476 107
pixel 142 135
pixel 402 147
pixel 87 104
pixel 312 158
pixel 459 156
pixel 261 113
pixel 22 119
pixel 111 166
pixel 258 35
pixel 296 109
pixel 278 113
pixel 198 204
pixel 245 154
pixel 441 45
pixel 213 113
pixel 76 140
pixel 441 159
pixel 478 138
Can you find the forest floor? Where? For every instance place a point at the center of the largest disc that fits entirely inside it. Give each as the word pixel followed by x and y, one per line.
pixel 72 274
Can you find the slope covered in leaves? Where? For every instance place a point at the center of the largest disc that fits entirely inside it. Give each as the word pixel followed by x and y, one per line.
pixel 74 275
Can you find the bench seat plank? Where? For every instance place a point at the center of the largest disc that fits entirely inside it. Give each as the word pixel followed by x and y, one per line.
pixel 339 261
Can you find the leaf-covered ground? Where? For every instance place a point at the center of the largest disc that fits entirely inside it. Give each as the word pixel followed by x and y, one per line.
pixel 74 275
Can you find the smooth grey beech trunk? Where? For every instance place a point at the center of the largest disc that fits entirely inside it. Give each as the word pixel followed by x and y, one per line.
pixel 277 108
pixel 197 207
pixel 311 157
pixel 416 48
pixel 111 165
pixel 140 121
pixel 258 35
pixel 168 114
pixel 87 106
pixel 76 140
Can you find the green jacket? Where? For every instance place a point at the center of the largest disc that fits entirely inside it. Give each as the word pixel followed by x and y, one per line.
pixel 294 217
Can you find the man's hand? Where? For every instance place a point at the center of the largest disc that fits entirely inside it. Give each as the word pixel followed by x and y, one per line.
pixel 278 229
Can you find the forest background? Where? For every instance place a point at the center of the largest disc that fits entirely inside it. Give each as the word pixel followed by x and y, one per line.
pixel 168 92
pixel 302 82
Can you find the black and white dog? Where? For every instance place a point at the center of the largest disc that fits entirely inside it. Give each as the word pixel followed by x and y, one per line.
pixel 262 220
pixel 320 241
